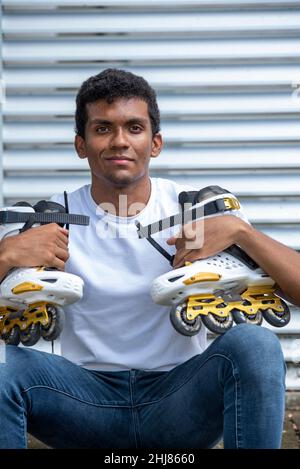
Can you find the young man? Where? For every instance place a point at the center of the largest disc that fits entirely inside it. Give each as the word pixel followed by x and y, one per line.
pixel 126 378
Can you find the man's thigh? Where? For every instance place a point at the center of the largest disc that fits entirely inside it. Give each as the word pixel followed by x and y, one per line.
pixel 65 404
pixel 230 388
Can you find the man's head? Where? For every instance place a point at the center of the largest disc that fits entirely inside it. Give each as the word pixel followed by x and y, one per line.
pixel 112 84
pixel 117 127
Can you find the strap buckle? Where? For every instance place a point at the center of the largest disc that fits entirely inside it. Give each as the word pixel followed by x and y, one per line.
pixel 231 203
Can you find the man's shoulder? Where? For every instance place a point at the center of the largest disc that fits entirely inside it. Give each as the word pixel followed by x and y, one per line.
pixel 172 186
pixel 77 193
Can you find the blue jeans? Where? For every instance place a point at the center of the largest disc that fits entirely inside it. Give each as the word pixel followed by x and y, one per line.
pixel 235 390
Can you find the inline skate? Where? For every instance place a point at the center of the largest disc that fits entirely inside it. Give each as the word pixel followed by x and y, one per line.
pixel 32 299
pixel 220 290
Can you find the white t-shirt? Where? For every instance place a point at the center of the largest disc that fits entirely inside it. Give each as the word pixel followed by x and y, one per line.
pixel 116 325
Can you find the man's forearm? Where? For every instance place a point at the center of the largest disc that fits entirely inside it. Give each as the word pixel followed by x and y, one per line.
pixel 278 260
pixel 5 265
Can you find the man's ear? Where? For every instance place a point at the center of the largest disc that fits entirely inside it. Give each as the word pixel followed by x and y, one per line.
pixel 80 146
pixel 157 144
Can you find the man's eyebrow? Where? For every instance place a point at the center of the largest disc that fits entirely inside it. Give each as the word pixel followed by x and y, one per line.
pixel 141 120
pixel 100 121
pixel 132 120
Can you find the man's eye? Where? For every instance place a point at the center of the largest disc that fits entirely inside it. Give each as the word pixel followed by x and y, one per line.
pixel 136 128
pixel 102 129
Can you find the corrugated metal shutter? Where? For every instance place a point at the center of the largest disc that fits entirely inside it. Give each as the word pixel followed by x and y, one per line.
pixel 227 74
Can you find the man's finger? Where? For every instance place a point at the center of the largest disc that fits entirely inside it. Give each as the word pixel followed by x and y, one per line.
pixel 57 264
pixel 171 241
pixel 63 239
pixel 186 256
pixel 61 244
pixel 62 254
pixel 189 232
pixel 179 258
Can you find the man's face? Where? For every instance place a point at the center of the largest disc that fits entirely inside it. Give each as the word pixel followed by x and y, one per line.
pixel 118 141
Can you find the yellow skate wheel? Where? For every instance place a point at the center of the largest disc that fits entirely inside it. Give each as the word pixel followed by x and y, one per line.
pixel 180 322
pixel 31 335
pixel 217 324
pixel 12 337
pixel 278 318
pixel 240 317
pixel 52 330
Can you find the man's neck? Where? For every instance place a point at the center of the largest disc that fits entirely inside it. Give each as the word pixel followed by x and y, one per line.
pixel 122 201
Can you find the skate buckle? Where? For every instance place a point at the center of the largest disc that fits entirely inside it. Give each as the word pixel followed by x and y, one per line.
pixel 231 204
pixel 202 277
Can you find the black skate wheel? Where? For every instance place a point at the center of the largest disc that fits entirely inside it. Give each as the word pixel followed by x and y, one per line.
pixel 276 318
pixel 217 324
pixel 31 335
pixel 181 323
pixel 53 329
pixel 240 317
pixel 12 337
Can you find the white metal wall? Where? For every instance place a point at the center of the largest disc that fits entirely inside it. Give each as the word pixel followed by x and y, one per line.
pixel 226 72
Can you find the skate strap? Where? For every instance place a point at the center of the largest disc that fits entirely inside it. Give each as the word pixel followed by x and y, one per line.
pixel 241 255
pixel 66 206
pixel 157 246
pixel 43 217
pixel 181 218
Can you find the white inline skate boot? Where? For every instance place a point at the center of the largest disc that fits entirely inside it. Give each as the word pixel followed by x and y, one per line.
pixel 221 289
pixel 31 299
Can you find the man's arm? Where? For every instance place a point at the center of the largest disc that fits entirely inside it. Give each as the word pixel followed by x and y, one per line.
pixel 45 245
pixel 278 260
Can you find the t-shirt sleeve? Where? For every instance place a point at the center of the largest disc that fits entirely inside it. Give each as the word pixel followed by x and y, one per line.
pixel 59 198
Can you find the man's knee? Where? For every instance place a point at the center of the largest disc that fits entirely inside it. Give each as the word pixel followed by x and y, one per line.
pixel 248 336
pixel 253 345
pixel 17 365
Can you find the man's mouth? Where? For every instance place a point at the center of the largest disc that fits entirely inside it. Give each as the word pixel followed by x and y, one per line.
pixel 119 159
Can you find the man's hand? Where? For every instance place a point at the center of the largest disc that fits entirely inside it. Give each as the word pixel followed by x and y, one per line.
pixel 45 245
pixel 205 238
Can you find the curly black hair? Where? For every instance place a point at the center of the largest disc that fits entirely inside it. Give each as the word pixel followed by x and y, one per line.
pixel 112 84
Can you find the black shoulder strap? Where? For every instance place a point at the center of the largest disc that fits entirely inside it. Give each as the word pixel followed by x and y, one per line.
pixel 66 206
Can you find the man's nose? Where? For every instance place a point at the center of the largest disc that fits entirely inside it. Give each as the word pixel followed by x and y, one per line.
pixel 119 138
